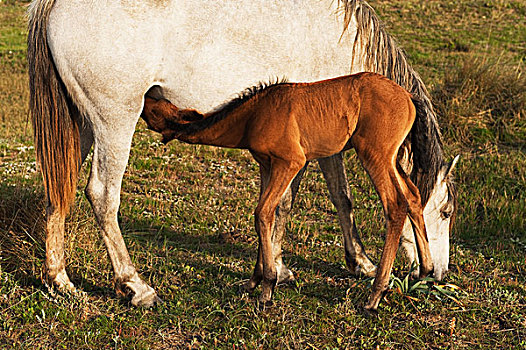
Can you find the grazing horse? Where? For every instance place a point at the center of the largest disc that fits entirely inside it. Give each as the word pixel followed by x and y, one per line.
pixel 287 124
pixel 91 63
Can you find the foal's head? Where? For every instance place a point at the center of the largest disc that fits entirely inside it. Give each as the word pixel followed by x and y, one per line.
pixel 165 118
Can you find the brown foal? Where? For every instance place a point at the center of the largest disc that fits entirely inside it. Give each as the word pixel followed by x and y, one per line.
pixel 283 125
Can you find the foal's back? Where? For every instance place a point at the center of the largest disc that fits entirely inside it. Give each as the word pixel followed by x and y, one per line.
pixel 324 116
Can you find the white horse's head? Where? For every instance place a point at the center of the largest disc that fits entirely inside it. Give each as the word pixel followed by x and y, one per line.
pixel 438 216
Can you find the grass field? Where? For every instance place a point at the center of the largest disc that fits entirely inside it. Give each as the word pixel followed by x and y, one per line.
pixel 186 215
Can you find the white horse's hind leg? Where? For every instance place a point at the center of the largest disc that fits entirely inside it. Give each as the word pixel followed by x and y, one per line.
pixel 86 139
pixel 110 156
pixel 55 262
pixel 357 260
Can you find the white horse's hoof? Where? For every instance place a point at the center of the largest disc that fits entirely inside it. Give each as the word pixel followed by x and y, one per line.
pixel 143 294
pixel 146 300
pixel 368 270
pixel 62 283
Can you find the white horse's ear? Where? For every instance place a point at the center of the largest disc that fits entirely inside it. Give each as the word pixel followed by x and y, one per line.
pixel 451 166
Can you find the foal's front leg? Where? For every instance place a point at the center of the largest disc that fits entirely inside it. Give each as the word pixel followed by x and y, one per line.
pixel 257 276
pixel 282 172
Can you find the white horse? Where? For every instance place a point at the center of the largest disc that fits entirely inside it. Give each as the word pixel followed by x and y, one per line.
pixel 92 62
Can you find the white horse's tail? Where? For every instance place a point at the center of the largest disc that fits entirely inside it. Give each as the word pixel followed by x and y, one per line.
pixel 381 54
pixel 53 114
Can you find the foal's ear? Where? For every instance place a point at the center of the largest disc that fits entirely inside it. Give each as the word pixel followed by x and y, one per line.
pixel 189 116
pixel 166 109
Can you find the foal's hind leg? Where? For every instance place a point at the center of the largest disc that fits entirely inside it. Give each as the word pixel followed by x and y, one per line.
pixel 334 172
pixel 110 156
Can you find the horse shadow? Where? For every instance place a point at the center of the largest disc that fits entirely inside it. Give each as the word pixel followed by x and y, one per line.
pixel 242 247
pixel 22 242
pixel 22 238
pixel 22 231
pixel 23 248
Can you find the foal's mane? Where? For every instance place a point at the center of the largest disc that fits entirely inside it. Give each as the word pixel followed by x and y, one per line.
pixel 223 110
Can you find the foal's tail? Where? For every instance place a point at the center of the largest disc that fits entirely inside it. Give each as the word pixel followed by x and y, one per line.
pixel 54 116
pixel 426 149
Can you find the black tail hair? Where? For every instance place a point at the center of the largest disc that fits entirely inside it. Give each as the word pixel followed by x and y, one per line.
pixel 427 151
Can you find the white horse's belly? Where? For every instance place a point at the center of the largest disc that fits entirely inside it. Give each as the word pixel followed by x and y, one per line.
pixel 200 52
pixel 236 44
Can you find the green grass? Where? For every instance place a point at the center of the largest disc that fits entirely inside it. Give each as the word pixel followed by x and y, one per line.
pixel 186 215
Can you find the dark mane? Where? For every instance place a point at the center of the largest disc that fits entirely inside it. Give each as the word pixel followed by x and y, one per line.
pixel 220 112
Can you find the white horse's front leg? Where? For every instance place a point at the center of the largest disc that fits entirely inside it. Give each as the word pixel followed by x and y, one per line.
pixel 110 156
pixel 282 212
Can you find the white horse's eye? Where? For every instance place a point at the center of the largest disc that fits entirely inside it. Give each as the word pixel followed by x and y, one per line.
pixel 446 213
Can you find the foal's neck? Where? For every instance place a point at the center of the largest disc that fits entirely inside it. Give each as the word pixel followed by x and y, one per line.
pixel 228 131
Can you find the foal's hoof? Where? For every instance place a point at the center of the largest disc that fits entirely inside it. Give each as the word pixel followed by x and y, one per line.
pixel 265 305
pixel 248 287
pixel 424 272
pixel 286 276
pixel 369 312
pixel 243 289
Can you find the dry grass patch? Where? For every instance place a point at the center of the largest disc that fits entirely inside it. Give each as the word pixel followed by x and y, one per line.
pixel 482 102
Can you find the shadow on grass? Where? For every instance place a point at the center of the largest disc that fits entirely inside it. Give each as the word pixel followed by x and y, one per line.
pixel 22 237
pixel 239 248
pixel 22 231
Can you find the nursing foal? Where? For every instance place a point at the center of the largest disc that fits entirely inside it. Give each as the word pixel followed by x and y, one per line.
pixel 283 125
